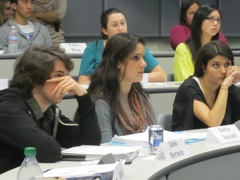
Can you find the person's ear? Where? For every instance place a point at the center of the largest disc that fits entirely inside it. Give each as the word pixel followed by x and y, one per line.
pixel 118 65
pixel 105 31
pixel 14 6
pixel 203 68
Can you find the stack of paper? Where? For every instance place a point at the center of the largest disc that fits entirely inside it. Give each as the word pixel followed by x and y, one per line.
pixel 86 152
pixel 138 139
pixel 3 83
pixel 192 137
pixel 82 172
pixel 141 139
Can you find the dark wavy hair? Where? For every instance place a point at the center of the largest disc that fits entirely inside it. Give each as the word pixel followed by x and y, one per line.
pixel 200 15
pixel 104 19
pixel 208 52
pixel 35 65
pixel 183 11
pixel 14 1
pixel 105 83
pixel 2 9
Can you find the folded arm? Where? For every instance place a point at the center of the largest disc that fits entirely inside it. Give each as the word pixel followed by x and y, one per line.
pixel 215 115
pixel 52 16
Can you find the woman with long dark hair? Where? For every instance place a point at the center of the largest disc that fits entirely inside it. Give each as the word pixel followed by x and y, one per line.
pixel 6 11
pixel 121 105
pixel 182 31
pixel 205 27
pixel 210 97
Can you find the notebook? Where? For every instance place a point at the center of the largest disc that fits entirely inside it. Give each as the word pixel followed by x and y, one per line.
pixel 89 152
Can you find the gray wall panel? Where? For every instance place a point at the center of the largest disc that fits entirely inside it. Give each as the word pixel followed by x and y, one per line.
pixel 142 16
pixel 149 18
pixel 231 17
pixel 83 18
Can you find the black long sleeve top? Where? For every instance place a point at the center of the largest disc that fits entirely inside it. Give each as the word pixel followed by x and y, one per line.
pixel 19 128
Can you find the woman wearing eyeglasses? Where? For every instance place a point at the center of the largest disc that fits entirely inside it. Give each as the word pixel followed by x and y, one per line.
pixel 6 11
pixel 205 27
pixel 182 31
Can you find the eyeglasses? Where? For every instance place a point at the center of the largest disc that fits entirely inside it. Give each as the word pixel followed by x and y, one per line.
pixel 212 20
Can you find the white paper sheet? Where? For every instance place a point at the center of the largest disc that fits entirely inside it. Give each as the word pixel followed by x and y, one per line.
pixel 80 171
pixel 141 139
pixel 3 84
pixel 99 150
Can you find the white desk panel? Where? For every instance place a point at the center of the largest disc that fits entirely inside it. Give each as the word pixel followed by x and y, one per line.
pixel 145 167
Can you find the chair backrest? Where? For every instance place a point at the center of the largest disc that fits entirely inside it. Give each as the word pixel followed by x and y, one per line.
pixel 170 77
pixel 165 120
pixel 75 78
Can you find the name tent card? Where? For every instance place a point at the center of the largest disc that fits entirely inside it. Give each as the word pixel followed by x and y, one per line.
pixel 73 47
pixel 171 149
pixel 118 173
pixel 223 134
pixel 4 84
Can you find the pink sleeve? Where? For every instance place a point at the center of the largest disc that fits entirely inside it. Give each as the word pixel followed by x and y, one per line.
pixel 178 34
pixel 222 38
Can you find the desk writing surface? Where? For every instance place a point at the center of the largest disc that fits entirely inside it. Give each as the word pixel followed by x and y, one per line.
pixel 7 67
pixel 236 53
pixel 151 88
pixel 224 167
pixel 14 56
pixel 144 166
pixel 162 87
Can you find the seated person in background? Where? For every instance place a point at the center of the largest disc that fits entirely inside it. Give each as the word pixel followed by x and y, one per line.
pixel 122 106
pixel 51 13
pixel 29 115
pixel 6 11
pixel 29 32
pixel 205 27
pixel 209 98
pixel 113 21
pixel 181 32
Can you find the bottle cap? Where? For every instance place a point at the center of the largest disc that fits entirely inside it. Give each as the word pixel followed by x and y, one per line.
pixel 29 150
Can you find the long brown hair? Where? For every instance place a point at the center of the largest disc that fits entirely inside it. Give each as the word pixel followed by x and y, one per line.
pixel 2 9
pixel 105 82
